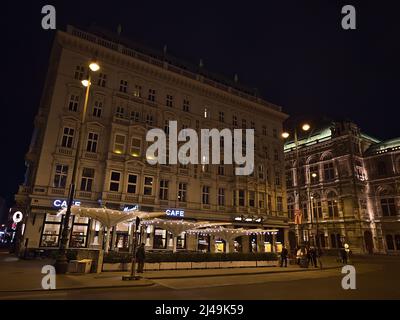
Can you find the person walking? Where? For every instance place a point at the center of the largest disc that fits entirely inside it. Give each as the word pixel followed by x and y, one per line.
pixel 140 257
pixel 343 254
pixel 284 256
pixel 313 256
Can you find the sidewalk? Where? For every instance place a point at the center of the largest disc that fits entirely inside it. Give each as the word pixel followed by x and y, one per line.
pixel 19 275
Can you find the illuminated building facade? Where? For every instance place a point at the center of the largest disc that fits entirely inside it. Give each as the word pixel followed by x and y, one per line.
pixel 136 90
pixel 345 188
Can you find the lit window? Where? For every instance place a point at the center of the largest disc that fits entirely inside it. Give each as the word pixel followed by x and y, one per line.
pixel 205 113
pixel 136 147
pixel 119 144
pixel 138 91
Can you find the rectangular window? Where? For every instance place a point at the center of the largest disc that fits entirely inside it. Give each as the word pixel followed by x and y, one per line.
pixel 164 189
pixel 87 179
pixel 119 144
pixel 241 198
pixel 79 232
pixel 132 183
pixel 160 238
pixel 252 200
pixel 329 171
pixel 73 103
pixel 205 195
pixel 152 95
pixel 148 186
pixel 135 116
pixel 388 207
pixel 68 137
pixel 136 147
pixel 120 112
pixel 182 191
pixel 169 101
pixel 138 91
pixel 60 176
pixel 149 119
pixel 279 205
pixel 51 230
pixel 115 181
pixel 186 105
pixel 261 200
pixel 97 109
pixel 221 197
pixel 123 86
pixel 221 170
pixel 102 80
pixel 234 121
pixel 221 116
pixel 277 178
pixel 261 172
pixel 79 71
pixel 92 140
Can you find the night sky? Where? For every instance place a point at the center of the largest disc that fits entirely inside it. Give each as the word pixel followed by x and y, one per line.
pixel 294 52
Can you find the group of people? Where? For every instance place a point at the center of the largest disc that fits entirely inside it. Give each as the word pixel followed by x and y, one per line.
pixel 304 253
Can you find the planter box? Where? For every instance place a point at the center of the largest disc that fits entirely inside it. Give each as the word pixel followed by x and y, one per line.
pixel 247 264
pixel 226 264
pixel 267 263
pixel 151 266
pixel 183 265
pixel 199 265
pixel 212 265
pixel 168 266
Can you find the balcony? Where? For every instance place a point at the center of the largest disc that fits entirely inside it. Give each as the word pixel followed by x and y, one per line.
pixel 65 151
pixel 91 156
pixel 85 194
pixel 112 196
pixel 57 191
pixel 131 198
pixel 24 190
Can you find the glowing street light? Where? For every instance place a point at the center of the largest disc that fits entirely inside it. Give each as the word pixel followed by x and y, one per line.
pixel 94 66
pixel 86 83
pixel 285 135
pixel 306 127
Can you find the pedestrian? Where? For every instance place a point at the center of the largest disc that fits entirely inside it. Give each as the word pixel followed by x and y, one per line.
pixel 140 257
pixel 298 255
pixel 284 256
pixel 313 256
pixel 343 254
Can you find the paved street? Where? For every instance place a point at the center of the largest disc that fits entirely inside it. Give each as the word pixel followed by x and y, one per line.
pixel 377 278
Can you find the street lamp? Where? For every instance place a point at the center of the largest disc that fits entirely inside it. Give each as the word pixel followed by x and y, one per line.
pixel 61 264
pixel 285 135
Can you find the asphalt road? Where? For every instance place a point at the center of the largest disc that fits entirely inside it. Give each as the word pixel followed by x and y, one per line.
pixel 377 278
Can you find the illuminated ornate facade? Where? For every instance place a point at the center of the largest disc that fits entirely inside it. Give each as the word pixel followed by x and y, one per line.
pixel 339 191
pixel 133 92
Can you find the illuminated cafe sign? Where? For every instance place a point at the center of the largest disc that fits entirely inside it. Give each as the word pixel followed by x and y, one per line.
pixel 63 203
pixel 175 213
pixel 249 219
pixel 131 208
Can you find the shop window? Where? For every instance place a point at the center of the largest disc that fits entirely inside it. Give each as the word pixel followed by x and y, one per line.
pixel 51 231
pixel 181 241
pixel 203 243
pixel 160 238
pixel 79 232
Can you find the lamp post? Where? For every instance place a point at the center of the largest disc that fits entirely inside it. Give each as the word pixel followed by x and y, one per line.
pixel 61 264
pixel 285 135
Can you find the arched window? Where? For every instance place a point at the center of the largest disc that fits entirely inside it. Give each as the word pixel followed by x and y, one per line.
pixel 333 210
pixel 397 241
pixel 389 242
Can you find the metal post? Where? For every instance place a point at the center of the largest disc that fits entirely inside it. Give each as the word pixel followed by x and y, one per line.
pixel 61 264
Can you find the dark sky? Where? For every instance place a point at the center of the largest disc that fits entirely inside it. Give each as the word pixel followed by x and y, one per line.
pixel 294 52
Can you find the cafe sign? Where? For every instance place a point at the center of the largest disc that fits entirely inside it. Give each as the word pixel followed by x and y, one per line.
pixel 175 213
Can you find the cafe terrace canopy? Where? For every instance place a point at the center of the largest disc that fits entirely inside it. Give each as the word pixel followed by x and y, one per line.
pixel 109 217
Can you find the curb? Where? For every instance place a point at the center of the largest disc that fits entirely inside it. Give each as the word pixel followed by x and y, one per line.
pixel 237 274
pixel 79 288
